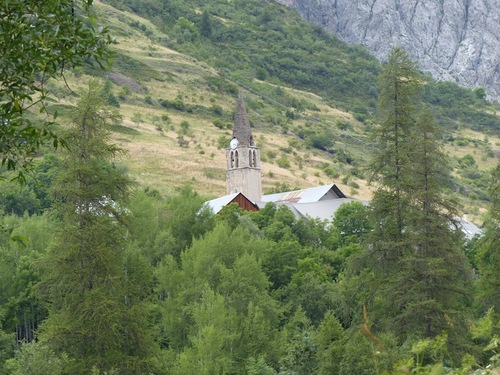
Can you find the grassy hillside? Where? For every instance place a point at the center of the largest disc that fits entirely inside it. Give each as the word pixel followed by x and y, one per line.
pixel 176 91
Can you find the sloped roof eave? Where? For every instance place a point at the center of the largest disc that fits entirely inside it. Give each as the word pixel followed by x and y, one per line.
pixel 218 204
pixel 309 195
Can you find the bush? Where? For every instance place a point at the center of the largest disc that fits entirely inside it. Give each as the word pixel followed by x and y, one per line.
pixel 177 104
pixel 283 162
pixel 343 125
pixel 261 73
pixel 223 142
pixel 331 172
pixel 217 110
pixel 218 123
pixel 149 100
pixel 320 141
pixel 294 143
pixel 466 161
pixel 271 154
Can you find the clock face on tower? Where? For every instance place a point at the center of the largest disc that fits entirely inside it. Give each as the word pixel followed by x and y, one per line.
pixel 233 144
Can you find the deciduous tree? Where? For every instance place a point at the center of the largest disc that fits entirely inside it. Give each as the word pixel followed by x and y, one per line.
pixel 41 40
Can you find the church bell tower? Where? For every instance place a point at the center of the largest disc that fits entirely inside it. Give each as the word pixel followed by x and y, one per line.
pixel 243 173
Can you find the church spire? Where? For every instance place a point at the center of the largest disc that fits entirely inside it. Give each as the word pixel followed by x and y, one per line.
pixel 243 158
pixel 241 130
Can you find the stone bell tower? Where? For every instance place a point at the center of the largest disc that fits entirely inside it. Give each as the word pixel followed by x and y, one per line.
pixel 243 158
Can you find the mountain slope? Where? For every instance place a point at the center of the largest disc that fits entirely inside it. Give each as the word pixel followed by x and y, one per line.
pixel 177 103
pixel 453 40
pixel 177 118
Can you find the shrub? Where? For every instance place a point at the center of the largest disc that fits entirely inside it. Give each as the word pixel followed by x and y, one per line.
pixel 218 123
pixel 343 125
pixel 177 104
pixel 271 154
pixel 331 172
pixel 223 142
pixel 283 162
pixel 261 73
pixel 217 110
pixel 149 100
pixel 294 143
pixel 462 142
pixel 467 161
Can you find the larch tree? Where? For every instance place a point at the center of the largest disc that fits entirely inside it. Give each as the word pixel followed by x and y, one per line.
pixel 96 313
pixel 432 290
pixel 399 87
pixel 488 256
pixel 420 274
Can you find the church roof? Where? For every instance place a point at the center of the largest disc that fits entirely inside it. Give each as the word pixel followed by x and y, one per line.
pixel 323 210
pixel 241 129
pixel 216 205
pixel 219 203
pixel 315 194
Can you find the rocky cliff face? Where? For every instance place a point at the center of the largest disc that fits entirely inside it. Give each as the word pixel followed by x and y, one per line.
pixel 455 40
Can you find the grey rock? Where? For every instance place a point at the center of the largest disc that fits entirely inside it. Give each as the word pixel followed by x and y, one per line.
pixel 454 40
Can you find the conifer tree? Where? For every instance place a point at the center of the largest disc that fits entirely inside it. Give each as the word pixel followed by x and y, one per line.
pixel 399 87
pixel 432 283
pixel 489 252
pixel 95 316
pixel 420 274
pixel 206 25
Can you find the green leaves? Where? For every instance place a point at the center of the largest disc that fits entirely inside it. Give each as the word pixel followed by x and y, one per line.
pixel 44 38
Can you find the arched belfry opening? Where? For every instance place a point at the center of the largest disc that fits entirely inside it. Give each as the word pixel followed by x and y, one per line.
pixel 243 173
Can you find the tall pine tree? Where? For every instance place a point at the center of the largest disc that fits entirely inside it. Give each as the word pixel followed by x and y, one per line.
pixel 420 274
pixel 432 283
pixel 399 87
pixel 488 256
pixel 96 316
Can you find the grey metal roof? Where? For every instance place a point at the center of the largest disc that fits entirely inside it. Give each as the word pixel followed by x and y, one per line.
pixel 323 210
pixel 469 228
pixel 308 202
pixel 310 195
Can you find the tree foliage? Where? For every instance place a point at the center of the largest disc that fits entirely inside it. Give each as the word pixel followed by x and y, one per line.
pixel 42 40
pixel 147 284
pixel 96 292
pixel 488 254
pixel 421 277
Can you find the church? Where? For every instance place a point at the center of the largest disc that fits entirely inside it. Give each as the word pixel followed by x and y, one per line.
pixel 244 184
pixel 244 181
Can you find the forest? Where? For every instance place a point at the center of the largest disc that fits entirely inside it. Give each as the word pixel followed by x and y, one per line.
pixel 100 275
